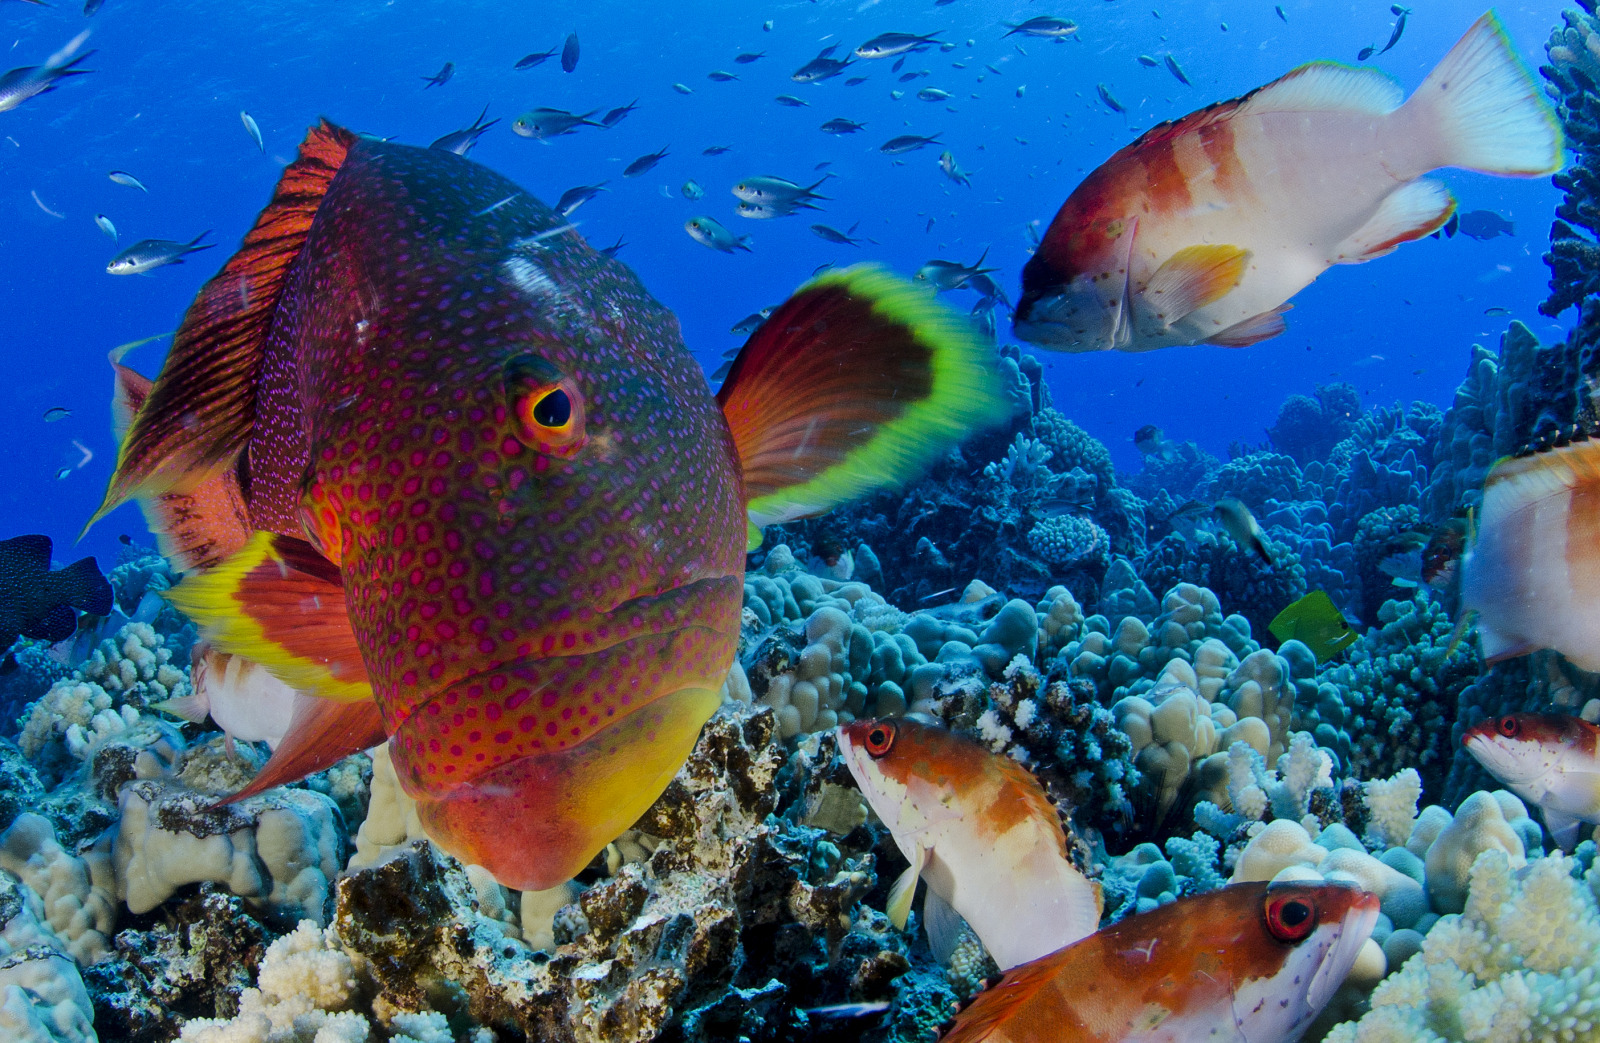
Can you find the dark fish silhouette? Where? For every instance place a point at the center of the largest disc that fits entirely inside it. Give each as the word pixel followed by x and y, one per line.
pixel 440 78
pixel 38 603
pixel 644 164
pixel 569 53
pixel 533 61
pixel 1483 224
pixel 461 141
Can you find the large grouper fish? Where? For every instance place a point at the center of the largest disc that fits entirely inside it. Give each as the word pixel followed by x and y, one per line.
pixel 452 475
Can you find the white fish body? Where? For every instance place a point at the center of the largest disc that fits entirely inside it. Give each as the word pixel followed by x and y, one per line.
pixel 979 830
pixel 1527 571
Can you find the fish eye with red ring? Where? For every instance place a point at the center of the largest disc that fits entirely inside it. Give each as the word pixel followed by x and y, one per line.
pixel 1290 918
pixel 546 407
pixel 1510 727
pixel 879 739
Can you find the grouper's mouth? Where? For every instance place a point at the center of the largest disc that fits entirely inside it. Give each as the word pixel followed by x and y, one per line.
pixel 529 769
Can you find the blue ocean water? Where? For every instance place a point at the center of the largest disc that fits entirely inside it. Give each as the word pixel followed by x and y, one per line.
pixel 1023 117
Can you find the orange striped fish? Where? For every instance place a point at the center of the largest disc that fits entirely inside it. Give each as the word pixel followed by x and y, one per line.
pixel 1548 759
pixel 1531 572
pixel 980 830
pixel 1251 963
pixel 1201 230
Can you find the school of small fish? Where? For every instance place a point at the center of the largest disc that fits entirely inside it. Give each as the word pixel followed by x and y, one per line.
pixel 1199 231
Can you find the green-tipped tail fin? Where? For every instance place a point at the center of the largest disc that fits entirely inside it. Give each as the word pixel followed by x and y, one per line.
pixel 856 383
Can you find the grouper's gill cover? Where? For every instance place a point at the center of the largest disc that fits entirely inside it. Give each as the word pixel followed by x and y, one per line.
pixel 493 490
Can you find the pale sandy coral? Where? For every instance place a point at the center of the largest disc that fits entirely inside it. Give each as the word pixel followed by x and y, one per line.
pixel 302 991
pixel 136 667
pixel 1171 730
pixel 68 702
pixel 282 847
pixel 1392 807
pixel 1479 825
pixel 1280 844
pixel 1059 620
pixel 1521 962
pixel 42 998
pixel 77 893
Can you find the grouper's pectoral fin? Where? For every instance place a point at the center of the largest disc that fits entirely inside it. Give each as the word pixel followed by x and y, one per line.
pixel 1193 278
pixel 280 603
pixel 321 734
pixel 855 383
pixel 199 413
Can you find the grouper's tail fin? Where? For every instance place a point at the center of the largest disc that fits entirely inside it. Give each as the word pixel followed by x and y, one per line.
pixel 200 411
pixel 1486 109
pixel 856 383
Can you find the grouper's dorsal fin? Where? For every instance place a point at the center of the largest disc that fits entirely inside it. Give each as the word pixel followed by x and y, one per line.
pixel 201 410
pixel 856 383
pixel 196 529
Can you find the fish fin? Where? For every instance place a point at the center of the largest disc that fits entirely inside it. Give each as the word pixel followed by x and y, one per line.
pixel 1259 545
pixel 943 925
pixel 1498 647
pixel 1459 632
pixel 1409 212
pixel 201 409
pixel 321 733
pixel 1193 278
pixel 1253 330
pixel 192 708
pixel 1563 829
pixel 1326 87
pixel 280 603
pixel 992 1008
pixel 898 908
pixel 197 529
pixel 1484 110
pixel 855 383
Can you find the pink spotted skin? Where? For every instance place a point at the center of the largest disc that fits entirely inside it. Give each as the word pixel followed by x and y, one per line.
pixel 521 616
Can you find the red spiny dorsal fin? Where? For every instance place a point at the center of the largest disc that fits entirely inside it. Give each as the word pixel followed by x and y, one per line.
pixel 855 383
pixel 280 603
pixel 200 412
pixel 321 734
pixel 198 529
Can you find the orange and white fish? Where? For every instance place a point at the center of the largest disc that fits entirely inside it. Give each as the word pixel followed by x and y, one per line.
pixel 1251 963
pixel 1529 570
pixel 1201 230
pixel 1548 759
pixel 980 830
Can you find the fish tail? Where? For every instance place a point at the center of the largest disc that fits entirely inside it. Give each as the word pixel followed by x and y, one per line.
pixel 1483 110
pixel 854 384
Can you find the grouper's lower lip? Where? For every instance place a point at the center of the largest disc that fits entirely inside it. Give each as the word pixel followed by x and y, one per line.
pixel 534 822
pixel 530 768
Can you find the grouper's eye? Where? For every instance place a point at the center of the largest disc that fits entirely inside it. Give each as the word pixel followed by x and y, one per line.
pixel 545 405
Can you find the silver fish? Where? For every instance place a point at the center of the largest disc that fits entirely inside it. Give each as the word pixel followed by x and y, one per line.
pixel 149 254
pixel 691 189
pixel 541 124
pixel 1046 26
pixel 122 177
pixel 707 231
pixel 30 81
pixel 777 191
pixel 947 163
pixel 105 225
pixel 833 235
pixel 887 45
pixel 950 275
pixel 440 78
pixel 841 126
pixel 251 128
